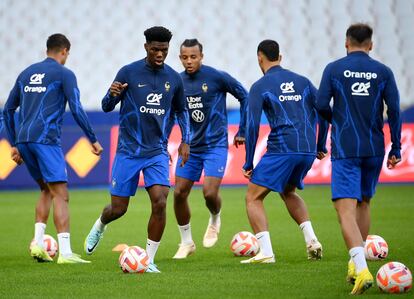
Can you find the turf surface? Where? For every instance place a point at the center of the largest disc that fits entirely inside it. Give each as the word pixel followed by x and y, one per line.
pixel 209 273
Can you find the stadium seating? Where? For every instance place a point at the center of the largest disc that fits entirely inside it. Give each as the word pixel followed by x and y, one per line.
pixel 108 34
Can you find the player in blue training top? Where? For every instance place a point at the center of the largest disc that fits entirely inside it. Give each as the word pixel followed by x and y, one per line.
pixel 205 89
pixel 288 100
pixel 359 86
pixel 149 91
pixel 42 91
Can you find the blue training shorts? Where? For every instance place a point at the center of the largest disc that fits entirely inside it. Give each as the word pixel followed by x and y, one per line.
pixel 275 171
pixel 126 170
pixel 355 177
pixel 213 161
pixel 44 161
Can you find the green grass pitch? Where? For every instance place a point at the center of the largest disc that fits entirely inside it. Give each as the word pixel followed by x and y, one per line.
pixel 209 273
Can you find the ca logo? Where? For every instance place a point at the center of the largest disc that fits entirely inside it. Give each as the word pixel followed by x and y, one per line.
pixel 36 78
pixel 154 99
pixel 287 87
pixel 360 89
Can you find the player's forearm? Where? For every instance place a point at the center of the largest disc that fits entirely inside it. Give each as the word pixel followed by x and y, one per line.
pixel 109 102
pixel 184 123
pixel 9 125
pixel 322 135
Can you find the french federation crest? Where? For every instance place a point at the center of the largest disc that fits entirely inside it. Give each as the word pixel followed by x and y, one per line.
pixel 204 87
pixel 167 86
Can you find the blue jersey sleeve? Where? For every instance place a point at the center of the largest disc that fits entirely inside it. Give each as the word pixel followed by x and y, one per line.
pixel 12 103
pixel 392 100
pixel 109 102
pixel 325 94
pixel 254 112
pixel 235 88
pixel 72 94
pixel 323 124
pixel 179 107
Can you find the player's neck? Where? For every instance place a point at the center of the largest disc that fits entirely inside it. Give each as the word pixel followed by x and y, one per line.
pixel 269 65
pixel 55 57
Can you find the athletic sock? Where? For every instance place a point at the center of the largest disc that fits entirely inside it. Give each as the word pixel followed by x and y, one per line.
pixel 64 244
pixel 308 232
pixel 39 233
pixel 215 219
pixel 185 232
pixel 264 242
pixel 99 226
pixel 151 249
pixel 358 257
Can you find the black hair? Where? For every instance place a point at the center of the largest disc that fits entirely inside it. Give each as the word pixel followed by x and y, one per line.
pixel 191 43
pixel 269 48
pixel 157 34
pixel 57 42
pixel 359 33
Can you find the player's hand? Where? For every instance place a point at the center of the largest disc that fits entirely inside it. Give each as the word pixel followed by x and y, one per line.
pixel 97 148
pixel 238 141
pixel 116 88
pixel 184 153
pixel 392 162
pixel 247 173
pixel 15 155
pixel 321 155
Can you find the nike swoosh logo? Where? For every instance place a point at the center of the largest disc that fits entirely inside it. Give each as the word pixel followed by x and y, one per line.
pixel 142 85
pixel 92 248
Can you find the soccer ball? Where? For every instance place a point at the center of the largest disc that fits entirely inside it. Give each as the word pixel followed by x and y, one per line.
pixel 49 244
pixel 394 277
pixel 375 248
pixel 244 244
pixel 133 259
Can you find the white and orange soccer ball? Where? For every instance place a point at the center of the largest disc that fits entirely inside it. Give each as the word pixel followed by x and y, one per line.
pixel 134 259
pixel 394 277
pixel 375 248
pixel 49 244
pixel 244 244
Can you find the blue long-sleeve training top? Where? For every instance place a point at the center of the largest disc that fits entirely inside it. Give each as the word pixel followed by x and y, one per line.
pixel 42 91
pixel 151 96
pixel 205 92
pixel 359 86
pixel 288 101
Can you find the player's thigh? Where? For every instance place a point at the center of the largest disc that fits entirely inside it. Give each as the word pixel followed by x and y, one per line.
pixel 125 175
pixel 192 169
pixel 156 171
pixel 51 162
pixel 370 172
pixel 346 178
pixel 273 171
pixel 214 162
pixel 30 160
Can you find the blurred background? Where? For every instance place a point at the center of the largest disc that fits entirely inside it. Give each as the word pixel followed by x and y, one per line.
pixel 108 34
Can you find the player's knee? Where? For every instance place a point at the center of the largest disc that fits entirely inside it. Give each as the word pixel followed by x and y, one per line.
pixel 210 195
pixel 159 205
pixel 119 211
pixel 180 194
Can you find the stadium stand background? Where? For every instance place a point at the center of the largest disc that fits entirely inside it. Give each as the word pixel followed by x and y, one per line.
pixel 107 34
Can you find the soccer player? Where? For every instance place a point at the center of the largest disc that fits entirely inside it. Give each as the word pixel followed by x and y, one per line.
pixel 205 90
pixel 359 86
pixel 148 90
pixel 288 100
pixel 42 91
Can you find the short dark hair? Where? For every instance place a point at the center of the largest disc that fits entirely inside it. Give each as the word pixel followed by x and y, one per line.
pixel 359 33
pixel 191 43
pixel 270 49
pixel 157 34
pixel 57 42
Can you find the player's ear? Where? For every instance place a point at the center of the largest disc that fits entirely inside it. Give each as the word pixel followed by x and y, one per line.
pixel 371 45
pixel 280 58
pixel 146 47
